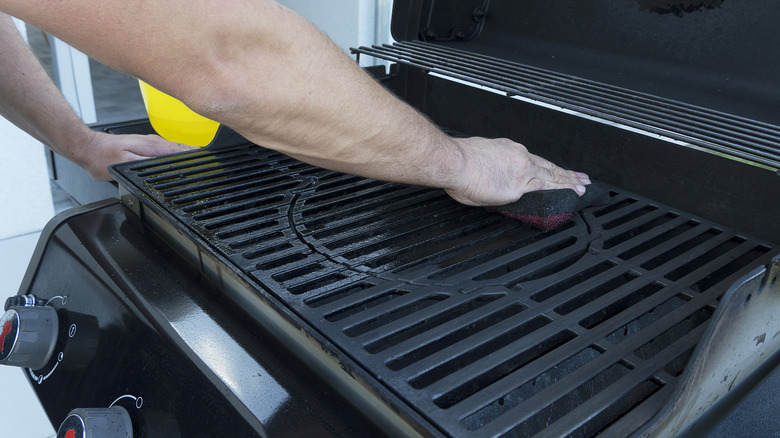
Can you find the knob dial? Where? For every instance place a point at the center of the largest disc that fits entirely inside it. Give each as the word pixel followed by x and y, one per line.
pixel 28 336
pixel 113 422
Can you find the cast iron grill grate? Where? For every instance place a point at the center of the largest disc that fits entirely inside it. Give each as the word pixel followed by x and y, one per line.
pixel 484 326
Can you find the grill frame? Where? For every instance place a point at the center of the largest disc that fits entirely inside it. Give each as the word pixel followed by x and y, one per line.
pixel 310 183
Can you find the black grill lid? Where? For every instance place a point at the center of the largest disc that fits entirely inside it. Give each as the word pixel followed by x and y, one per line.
pixel 709 53
pixel 482 325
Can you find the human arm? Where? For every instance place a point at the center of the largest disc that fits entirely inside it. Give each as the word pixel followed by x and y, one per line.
pixel 30 100
pixel 270 75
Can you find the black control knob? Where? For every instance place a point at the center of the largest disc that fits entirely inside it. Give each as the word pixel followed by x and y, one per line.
pixel 113 422
pixel 28 336
pixel 23 300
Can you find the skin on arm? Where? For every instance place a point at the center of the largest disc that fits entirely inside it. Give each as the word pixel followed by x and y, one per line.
pixel 30 100
pixel 273 77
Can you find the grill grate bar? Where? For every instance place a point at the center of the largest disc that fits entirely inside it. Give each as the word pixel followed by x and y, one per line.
pixel 498 316
pixel 719 132
pixel 572 379
pixel 594 337
pixel 502 334
pixel 573 422
pixel 639 414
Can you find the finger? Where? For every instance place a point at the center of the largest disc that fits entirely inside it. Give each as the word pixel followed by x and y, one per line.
pixel 539 184
pixel 153 146
pixel 559 174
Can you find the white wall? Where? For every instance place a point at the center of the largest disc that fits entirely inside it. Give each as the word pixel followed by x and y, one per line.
pixel 349 23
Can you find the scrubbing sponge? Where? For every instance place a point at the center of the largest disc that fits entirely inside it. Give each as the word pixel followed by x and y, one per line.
pixel 549 209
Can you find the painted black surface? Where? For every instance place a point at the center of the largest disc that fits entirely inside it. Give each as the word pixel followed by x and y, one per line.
pixel 709 53
pixel 105 263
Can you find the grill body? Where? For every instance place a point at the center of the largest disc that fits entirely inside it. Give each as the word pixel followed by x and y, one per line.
pixel 303 301
pixel 482 326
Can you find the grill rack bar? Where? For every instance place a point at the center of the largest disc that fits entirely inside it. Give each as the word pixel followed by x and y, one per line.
pixel 735 136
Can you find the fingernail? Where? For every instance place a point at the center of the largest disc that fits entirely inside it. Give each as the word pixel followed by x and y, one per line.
pixel 581 190
pixel 585 180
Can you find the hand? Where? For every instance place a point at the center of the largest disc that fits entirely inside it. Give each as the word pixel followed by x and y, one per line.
pixel 500 171
pixel 101 150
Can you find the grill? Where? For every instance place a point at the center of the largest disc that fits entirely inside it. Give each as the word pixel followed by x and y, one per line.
pixel 233 290
pixel 481 325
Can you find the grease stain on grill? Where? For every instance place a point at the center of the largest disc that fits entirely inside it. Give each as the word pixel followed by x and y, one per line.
pixel 647 319
pixel 677 366
pixel 520 262
pixel 614 207
pixel 485 349
pixel 245 231
pixel 676 332
pixel 247 216
pixel 286 260
pixel 552 267
pixel 338 294
pixel 430 323
pixel 579 395
pixel 394 315
pixel 703 259
pixel 321 282
pixel 620 305
pixel 730 269
pixel 455 336
pixel 648 245
pixel 534 386
pixel 628 217
pixel 242 202
pixel 271 249
pixel 371 302
pixel 247 239
pixel 218 183
pixel 583 298
pixel 681 249
pixel 296 273
pixel 678 7
pixel 572 281
pixel 639 230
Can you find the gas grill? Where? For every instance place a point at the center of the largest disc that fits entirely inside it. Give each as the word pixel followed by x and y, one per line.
pixel 234 289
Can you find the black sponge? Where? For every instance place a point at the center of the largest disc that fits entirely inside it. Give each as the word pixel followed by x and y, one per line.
pixel 549 209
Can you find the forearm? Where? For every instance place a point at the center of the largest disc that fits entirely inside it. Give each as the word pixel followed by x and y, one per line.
pixel 269 74
pixel 30 100
pixel 264 71
pixel 316 104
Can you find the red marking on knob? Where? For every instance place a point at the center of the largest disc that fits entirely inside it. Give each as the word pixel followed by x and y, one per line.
pixel 6 331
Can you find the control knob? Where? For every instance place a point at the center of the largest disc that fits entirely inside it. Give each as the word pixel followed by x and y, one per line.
pixel 28 335
pixel 113 422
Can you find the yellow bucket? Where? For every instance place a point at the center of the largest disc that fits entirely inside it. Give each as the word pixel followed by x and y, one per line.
pixel 174 121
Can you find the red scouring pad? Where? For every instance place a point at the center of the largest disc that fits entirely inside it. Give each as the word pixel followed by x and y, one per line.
pixel 549 209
